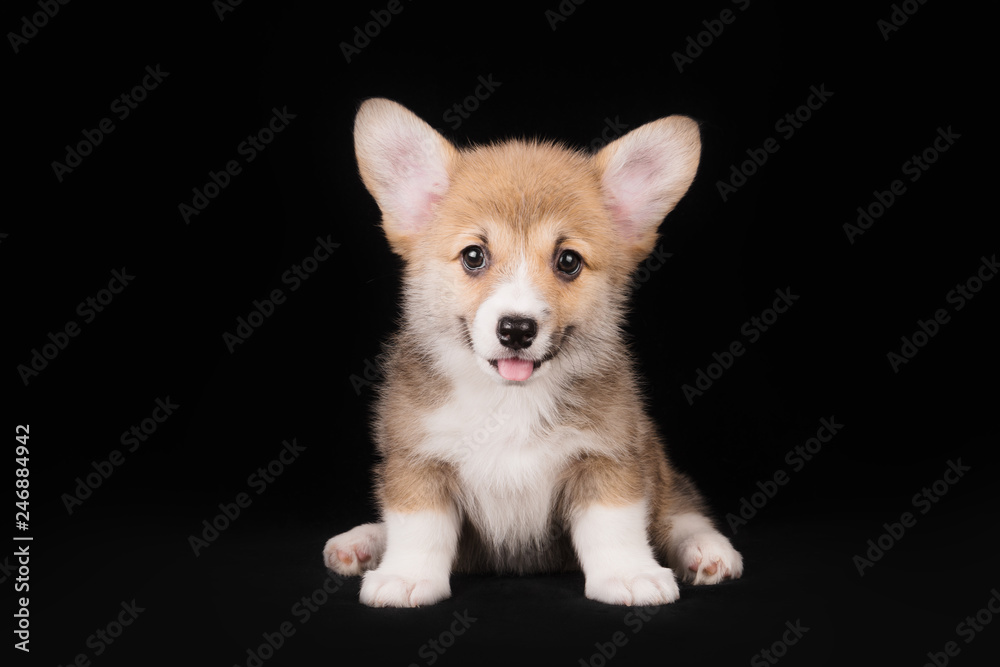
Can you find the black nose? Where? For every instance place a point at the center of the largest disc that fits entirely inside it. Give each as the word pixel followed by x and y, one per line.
pixel 516 332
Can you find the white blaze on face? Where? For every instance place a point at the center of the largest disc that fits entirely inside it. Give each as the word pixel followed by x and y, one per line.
pixel 515 297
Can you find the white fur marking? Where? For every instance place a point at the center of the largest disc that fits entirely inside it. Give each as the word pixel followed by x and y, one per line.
pixel 517 296
pixel 420 550
pixel 507 457
pixel 616 558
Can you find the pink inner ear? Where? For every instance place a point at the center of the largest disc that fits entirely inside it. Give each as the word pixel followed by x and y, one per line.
pixel 414 201
pixel 646 172
pixel 633 194
pixel 620 215
pixel 418 181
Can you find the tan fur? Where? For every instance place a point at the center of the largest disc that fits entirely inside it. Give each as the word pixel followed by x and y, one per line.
pixel 523 200
pixel 407 484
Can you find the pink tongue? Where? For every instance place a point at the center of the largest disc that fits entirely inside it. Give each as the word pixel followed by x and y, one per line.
pixel 515 369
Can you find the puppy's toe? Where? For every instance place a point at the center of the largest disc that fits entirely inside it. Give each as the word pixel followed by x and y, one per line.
pixel 653 587
pixel 384 589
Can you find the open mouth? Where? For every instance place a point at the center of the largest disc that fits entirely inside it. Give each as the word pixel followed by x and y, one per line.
pixel 517 369
pixel 514 369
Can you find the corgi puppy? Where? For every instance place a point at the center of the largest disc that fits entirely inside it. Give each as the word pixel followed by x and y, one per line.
pixel 511 428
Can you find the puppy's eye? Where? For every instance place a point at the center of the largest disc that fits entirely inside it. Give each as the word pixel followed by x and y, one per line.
pixel 569 262
pixel 473 258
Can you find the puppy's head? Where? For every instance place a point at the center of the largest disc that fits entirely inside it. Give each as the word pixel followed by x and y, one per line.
pixel 518 254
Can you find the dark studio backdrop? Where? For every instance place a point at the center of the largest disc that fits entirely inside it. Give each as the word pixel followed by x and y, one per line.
pixel 197 287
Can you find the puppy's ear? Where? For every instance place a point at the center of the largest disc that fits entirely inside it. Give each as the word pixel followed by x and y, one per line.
pixel 405 164
pixel 645 173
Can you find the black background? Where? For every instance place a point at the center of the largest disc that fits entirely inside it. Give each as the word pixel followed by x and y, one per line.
pixel 297 375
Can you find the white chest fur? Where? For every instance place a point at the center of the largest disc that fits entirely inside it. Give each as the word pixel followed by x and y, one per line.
pixel 508 457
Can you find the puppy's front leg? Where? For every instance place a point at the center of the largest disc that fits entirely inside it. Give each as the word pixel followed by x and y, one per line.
pixel 608 524
pixel 422 528
pixel 616 558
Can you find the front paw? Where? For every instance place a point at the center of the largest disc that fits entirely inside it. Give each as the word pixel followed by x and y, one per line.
pixel 384 589
pixel 651 587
